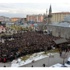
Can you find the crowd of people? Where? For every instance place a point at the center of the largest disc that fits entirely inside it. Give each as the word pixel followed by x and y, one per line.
pixel 25 43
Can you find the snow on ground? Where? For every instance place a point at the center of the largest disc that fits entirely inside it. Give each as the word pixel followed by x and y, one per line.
pixel 34 57
pixel 57 65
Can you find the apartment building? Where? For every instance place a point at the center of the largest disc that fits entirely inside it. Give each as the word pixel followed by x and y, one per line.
pixel 35 18
pixel 14 19
pixel 59 16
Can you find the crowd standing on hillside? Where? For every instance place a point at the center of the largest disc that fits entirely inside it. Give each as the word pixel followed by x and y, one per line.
pixel 25 43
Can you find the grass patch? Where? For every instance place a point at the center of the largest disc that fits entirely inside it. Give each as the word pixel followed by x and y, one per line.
pixel 52 51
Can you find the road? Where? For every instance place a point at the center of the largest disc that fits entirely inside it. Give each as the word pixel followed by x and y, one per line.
pixel 5 64
pixel 48 61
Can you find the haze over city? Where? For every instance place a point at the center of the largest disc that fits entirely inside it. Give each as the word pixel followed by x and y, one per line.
pixel 18 9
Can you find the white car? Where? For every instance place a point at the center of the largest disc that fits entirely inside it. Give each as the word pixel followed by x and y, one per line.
pixel 68 62
pixel 58 65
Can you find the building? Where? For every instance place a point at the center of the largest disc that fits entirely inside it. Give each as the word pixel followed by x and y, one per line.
pixel 59 16
pixel 2 29
pixel 35 18
pixel 18 21
pixel 61 29
pixel 9 24
pixel 14 19
pixel 4 19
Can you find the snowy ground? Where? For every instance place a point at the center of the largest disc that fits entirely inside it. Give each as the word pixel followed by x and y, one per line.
pixel 33 58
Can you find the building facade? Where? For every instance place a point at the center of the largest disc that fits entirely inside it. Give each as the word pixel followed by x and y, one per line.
pixel 35 18
pixel 60 29
pixel 4 19
pixel 56 17
pixel 59 16
pixel 14 19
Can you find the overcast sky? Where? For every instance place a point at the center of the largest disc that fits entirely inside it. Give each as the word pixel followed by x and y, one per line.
pixel 21 9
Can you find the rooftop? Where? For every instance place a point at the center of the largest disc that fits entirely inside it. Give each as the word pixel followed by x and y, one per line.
pixel 59 41
pixel 61 13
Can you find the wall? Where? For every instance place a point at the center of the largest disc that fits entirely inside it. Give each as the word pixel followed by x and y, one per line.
pixel 62 31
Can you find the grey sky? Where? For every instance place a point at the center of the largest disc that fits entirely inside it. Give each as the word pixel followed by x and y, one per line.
pixel 22 9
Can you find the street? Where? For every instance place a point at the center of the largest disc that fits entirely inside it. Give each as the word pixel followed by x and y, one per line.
pixel 5 64
pixel 48 61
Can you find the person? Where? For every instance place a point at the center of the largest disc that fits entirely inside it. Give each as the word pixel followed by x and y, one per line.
pixel 43 65
pixel 0 59
pixel 4 60
pixel 60 53
pixel 4 65
pixel 32 66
